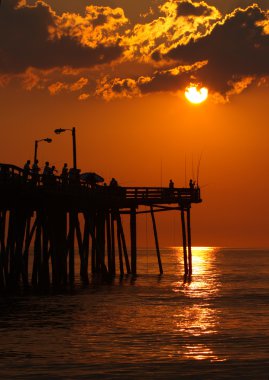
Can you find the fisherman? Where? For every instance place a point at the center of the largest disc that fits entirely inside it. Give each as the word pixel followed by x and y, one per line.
pixel 192 184
pixel 26 170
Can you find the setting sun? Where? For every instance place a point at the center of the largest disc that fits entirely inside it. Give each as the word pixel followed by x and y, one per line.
pixel 196 96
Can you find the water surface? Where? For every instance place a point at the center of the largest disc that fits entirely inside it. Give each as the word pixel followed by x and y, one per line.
pixel 215 326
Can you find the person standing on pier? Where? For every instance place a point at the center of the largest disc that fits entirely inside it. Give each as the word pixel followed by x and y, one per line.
pixel 64 174
pixel 46 173
pixel 192 184
pixel 26 170
pixel 113 183
pixel 171 184
pixel 35 172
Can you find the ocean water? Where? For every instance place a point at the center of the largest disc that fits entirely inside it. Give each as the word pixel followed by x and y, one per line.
pixel 215 326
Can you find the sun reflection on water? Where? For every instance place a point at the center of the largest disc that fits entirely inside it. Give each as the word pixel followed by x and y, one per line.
pixel 198 319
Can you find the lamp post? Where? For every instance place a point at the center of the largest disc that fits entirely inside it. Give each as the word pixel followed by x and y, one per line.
pixel 73 131
pixel 48 140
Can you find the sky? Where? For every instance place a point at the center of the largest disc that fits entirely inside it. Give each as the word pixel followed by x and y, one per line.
pixel 117 70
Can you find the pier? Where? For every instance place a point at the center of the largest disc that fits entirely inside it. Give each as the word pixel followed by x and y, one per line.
pixel 53 217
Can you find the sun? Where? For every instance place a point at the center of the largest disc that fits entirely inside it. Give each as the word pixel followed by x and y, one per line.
pixel 196 95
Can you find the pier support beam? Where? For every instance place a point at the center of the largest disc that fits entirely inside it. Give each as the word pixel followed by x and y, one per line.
pixel 123 242
pixel 189 240
pixel 133 239
pixel 184 240
pixel 156 240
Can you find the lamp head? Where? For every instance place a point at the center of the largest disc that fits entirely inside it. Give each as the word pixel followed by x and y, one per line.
pixel 59 130
pixel 48 140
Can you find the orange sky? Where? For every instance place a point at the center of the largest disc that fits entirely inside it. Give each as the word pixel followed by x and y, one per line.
pixel 132 119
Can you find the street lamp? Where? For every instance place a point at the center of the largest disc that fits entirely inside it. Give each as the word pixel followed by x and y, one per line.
pixel 48 140
pixel 73 131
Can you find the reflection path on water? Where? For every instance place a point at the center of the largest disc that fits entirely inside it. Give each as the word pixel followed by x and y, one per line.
pixel 217 320
pixel 199 319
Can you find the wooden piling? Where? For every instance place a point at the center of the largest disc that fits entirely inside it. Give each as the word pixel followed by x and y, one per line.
pixel 120 251
pixel 123 241
pixel 189 240
pixel 36 271
pixel 133 239
pixel 108 243
pixel 184 240
pixel 156 240
pixel 71 247
pixel 113 256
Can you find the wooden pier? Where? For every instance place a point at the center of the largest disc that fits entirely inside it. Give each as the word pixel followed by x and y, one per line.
pixel 54 216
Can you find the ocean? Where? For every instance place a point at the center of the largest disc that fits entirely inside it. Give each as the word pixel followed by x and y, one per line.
pixel 214 326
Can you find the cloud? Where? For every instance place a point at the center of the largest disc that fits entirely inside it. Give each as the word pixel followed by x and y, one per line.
pixel 176 24
pixel 171 80
pixel 83 96
pixel 117 88
pixel 57 87
pixel 34 36
pixel 188 8
pixel 100 52
pixel 236 48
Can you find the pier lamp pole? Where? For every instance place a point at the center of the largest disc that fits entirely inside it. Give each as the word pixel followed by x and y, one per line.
pixel 73 131
pixel 48 140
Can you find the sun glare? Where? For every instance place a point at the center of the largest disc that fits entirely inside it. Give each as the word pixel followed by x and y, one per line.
pixel 195 95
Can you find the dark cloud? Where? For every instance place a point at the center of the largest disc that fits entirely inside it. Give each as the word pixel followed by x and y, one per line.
pixel 165 82
pixel 25 42
pixel 187 8
pixel 236 48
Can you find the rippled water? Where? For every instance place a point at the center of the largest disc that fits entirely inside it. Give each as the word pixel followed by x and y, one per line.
pixel 151 327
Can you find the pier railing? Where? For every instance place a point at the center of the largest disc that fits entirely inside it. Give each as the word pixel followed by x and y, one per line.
pixel 12 175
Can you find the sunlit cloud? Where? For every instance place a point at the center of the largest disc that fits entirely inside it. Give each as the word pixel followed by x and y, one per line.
pixel 59 41
pixel 171 80
pixel 177 23
pixel 57 87
pixel 237 48
pixel 84 96
pixel 175 43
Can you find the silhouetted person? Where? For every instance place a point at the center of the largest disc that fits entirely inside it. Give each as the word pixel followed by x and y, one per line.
pixel 26 170
pixel 73 175
pixel 52 170
pixel 171 184
pixel 113 183
pixel 64 174
pixel 52 178
pixel 46 169
pixel 192 184
pixel 35 171
pixel 46 173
